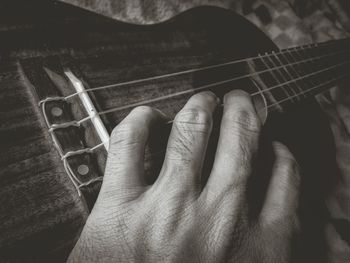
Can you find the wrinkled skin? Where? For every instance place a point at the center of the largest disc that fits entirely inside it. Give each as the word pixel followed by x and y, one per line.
pixel 177 219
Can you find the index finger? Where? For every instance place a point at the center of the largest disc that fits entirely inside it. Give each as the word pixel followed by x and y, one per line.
pixel 125 162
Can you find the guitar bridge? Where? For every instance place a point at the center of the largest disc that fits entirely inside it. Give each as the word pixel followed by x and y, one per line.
pixel 76 130
pixel 90 108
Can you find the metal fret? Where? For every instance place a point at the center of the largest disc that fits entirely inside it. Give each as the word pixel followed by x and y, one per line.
pixel 283 75
pixel 288 75
pixel 277 78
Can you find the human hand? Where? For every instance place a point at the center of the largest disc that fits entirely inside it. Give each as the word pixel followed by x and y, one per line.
pixel 177 219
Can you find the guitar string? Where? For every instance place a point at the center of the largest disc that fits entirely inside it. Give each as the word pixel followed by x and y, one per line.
pixel 263 109
pixel 309 90
pixel 267 106
pixel 144 102
pixel 280 76
pixel 215 83
pixel 266 55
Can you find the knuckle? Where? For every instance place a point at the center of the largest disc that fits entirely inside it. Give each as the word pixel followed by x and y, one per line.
pixel 247 151
pixel 127 132
pixel 244 120
pixel 129 129
pixel 193 119
pixel 122 129
pixel 180 151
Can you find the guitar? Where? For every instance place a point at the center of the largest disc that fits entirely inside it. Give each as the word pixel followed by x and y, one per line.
pixel 68 77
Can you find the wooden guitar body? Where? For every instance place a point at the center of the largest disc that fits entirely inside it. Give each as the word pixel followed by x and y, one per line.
pixel 41 212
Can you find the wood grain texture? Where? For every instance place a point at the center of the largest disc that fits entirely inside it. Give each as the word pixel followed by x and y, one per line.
pixel 40 210
pixel 41 213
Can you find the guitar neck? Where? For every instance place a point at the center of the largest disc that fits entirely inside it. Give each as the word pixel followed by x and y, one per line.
pixel 294 74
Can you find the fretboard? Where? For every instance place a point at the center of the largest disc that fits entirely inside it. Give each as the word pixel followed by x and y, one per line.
pixel 294 74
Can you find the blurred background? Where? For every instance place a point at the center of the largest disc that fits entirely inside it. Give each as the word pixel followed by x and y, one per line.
pixel 287 22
